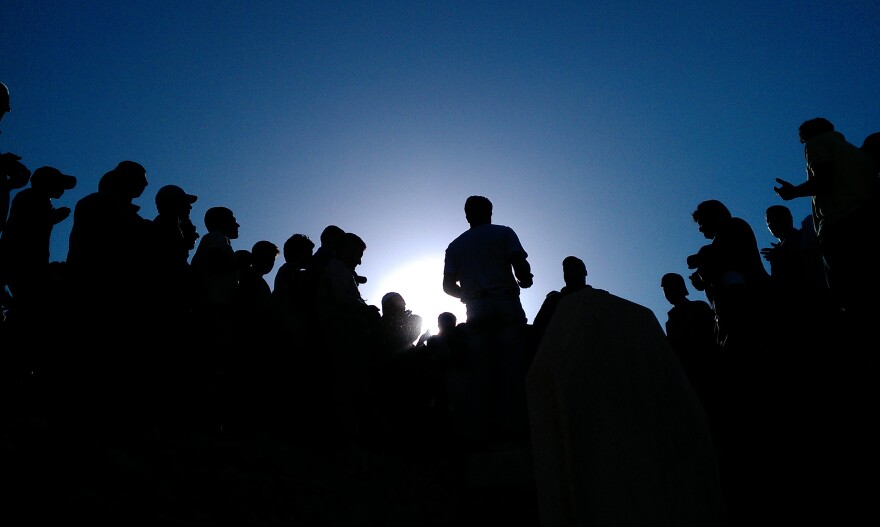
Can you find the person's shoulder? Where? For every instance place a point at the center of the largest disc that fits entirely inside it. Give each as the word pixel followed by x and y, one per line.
pixel 699 306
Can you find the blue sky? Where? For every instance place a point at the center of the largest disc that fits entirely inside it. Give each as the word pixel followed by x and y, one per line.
pixel 594 127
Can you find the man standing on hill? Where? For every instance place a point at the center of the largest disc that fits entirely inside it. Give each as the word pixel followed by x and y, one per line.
pixel 485 267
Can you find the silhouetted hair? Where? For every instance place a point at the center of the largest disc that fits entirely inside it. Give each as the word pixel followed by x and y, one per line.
pixel 295 243
pixel 478 206
pixel 711 208
pixel 813 127
pixel 574 264
pixel 445 318
pixel 265 248
pixel 330 233
pixel 673 280
pixel 349 241
pixel 779 212
pixel 216 218
pixel 871 146
pixel 390 299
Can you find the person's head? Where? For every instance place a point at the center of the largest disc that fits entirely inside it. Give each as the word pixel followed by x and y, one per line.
pixel 813 127
pixel 329 235
pixel 349 248
pixel 298 249
pixel 446 321
pixel 51 181
pixel 674 288
pixel 709 216
pixel 574 271
pixel 478 210
pixel 128 179
pixel 190 234
pixel 779 221
pixel 4 100
pixel 222 220
pixel 871 146
pixel 263 255
pixel 393 304
pixel 172 199
pixel 243 260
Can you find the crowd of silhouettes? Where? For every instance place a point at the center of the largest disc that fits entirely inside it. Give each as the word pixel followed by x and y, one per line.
pixel 147 327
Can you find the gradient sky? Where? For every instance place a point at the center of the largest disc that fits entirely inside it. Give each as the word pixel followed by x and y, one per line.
pixel 594 127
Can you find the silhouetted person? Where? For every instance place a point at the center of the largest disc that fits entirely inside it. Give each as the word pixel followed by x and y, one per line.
pixel 110 392
pixel 217 273
pixel 737 286
pixel 485 267
pixel 295 289
pixel 26 242
pixel 325 250
pixel 13 174
pixel 871 146
pixel 255 376
pixel 730 271
pixel 690 330
pixel 400 327
pixel 254 300
pixel 447 351
pixel 108 252
pixel 574 273
pixel 402 368
pixel 174 283
pixel 840 181
pixel 797 279
pixel 350 335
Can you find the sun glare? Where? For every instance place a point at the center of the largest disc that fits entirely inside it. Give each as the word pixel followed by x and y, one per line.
pixel 420 282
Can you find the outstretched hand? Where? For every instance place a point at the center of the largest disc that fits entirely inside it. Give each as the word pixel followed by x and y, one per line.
pixel 785 190
pixel 769 253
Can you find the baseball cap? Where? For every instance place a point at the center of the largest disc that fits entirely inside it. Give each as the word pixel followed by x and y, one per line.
pixel 172 194
pixel 51 176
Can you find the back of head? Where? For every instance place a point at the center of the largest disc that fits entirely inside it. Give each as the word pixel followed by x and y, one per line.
pixel 128 179
pixel 813 127
pixel 243 259
pixel 478 209
pixel 673 284
pixel 574 271
pixel 574 264
pixel 446 320
pixel 330 234
pixel 349 247
pixel 265 248
pixel 393 303
pixel 779 214
pixel 871 146
pixel 297 244
pixel 263 255
pixel 217 218
pixel 711 209
pixel 350 241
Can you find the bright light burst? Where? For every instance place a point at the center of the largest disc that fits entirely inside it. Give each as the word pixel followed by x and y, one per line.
pixel 420 282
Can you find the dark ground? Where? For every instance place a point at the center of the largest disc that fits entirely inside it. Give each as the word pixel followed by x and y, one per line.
pixel 52 475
